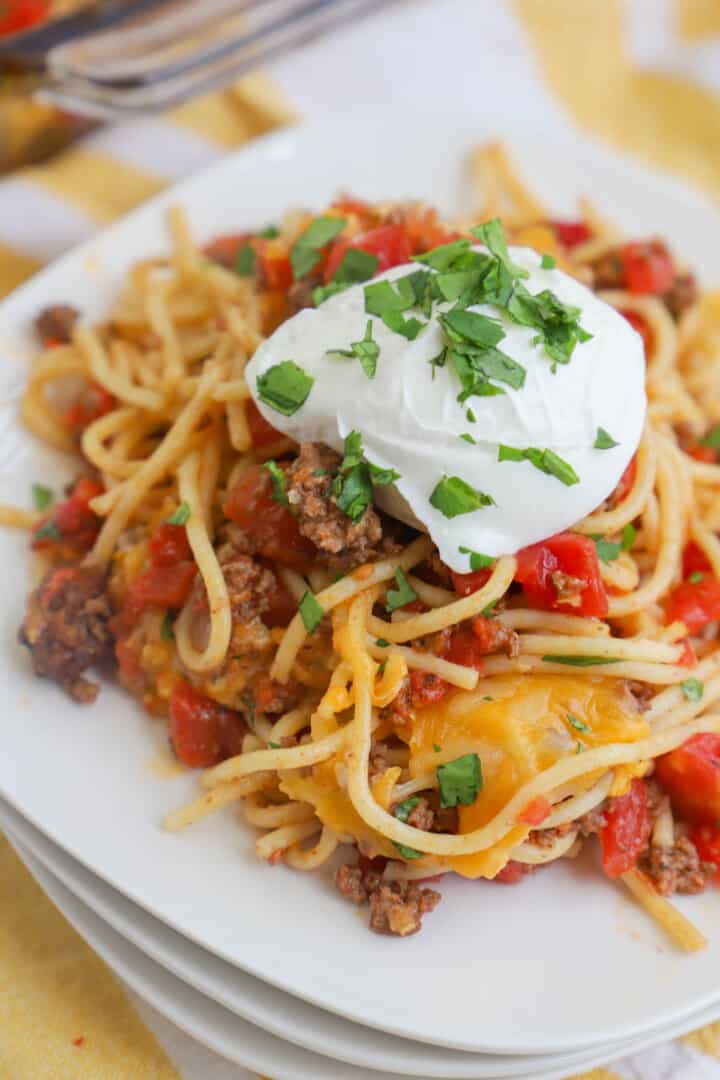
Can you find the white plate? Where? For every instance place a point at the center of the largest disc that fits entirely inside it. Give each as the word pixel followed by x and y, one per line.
pixel 242 1043
pixel 496 969
pixel 275 1012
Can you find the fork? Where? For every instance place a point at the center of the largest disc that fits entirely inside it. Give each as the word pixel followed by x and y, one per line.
pixel 159 53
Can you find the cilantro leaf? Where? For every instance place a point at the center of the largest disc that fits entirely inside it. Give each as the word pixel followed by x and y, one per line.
pixel 471 326
pixel 48 531
pixel 404 809
pixel 579 725
pixel 311 612
pixel 355 266
pixel 443 256
pixel 468 438
pixel 366 351
pixel 384 296
pixel 180 516
pixel 696 577
pixel 477 561
pixel 42 496
pixel 692 689
pixel 452 496
pixel 557 323
pixel 546 461
pixel 166 630
pixel 548 262
pixel 352 487
pixel 607 550
pixel 277 477
pixel 492 235
pixel 284 387
pixel 245 261
pixel 629 535
pixel 408 852
pixel 305 252
pixel 603 440
pixel 404 594
pixel 712 438
pixel 460 781
pixel 582 661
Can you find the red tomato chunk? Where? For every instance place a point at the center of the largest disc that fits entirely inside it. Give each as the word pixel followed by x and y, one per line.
pixel 691 776
pixel 648 268
pixel 571 556
pixel 696 603
pixel 627 831
pixel 270 525
pixel 201 731
pixel 388 242
pixel 706 839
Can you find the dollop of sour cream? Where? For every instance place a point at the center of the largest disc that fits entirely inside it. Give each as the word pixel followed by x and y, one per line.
pixel 410 419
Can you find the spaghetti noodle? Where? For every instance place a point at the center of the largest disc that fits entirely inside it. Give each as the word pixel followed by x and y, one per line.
pixel 328 672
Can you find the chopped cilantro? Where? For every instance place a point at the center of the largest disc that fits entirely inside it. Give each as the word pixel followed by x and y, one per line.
pixel 284 387
pixel 546 460
pixel 166 630
pixel 355 266
pixel 712 438
pixel 557 324
pixel 404 809
pixel 245 261
pixel 696 577
pixel 460 781
pixel 352 487
pixel 452 497
pixel 579 725
pixel 470 415
pixel 310 612
pixel 603 440
pixel 582 661
pixel 180 516
pixel 607 550
pixel 305 252
pixel 477 561
pixel 42 496
pixel 436 749
pixel 277 477
pixel 269 232
pixel 404 594
pixel 275 746
pixel 366 351
pixel 629 535
pixel 48 531
pixel 692 689
pixel 468 438
pixel 548 262
pixel 408 852
pixel 579 748
pixel 473 327
pixel 492 234
pixel 443 256
pixel 382 643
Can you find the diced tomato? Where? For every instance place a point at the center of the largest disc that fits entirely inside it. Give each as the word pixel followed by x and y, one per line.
pixel 73 520
pixel 427 689
pixel 487 633
pixel 706 839
pixel 640 325
pixel 389 243
pixel 18 15
pixel 571 233
pixel 687 657
pixel 465 649
pixel 93 403
pixel 694 560
pixel 261 433
pixel 536 811
pixel 572 555
pixel 512 873
pixel 696 603
pixel 281 607
pixel 627 830
pixel 701 453
pixel 691 776
pixel 270 525
pixel 169 545
pixel 464 584
pixel 414 606
pixel 203 732
pixel 348 205
pixel 626 483
pixel 276 270
pixel 648 268
pixel 158 586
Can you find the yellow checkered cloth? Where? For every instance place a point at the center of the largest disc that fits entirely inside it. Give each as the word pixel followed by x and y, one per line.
pixel 63 1016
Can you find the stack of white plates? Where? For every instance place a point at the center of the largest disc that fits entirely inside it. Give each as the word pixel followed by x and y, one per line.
pixel 266 965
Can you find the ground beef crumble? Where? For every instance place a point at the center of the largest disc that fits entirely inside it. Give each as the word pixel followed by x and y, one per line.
pixel 396 907
pixel 678 868
pixel 343 542
pixel 67 628
pixel 56 323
